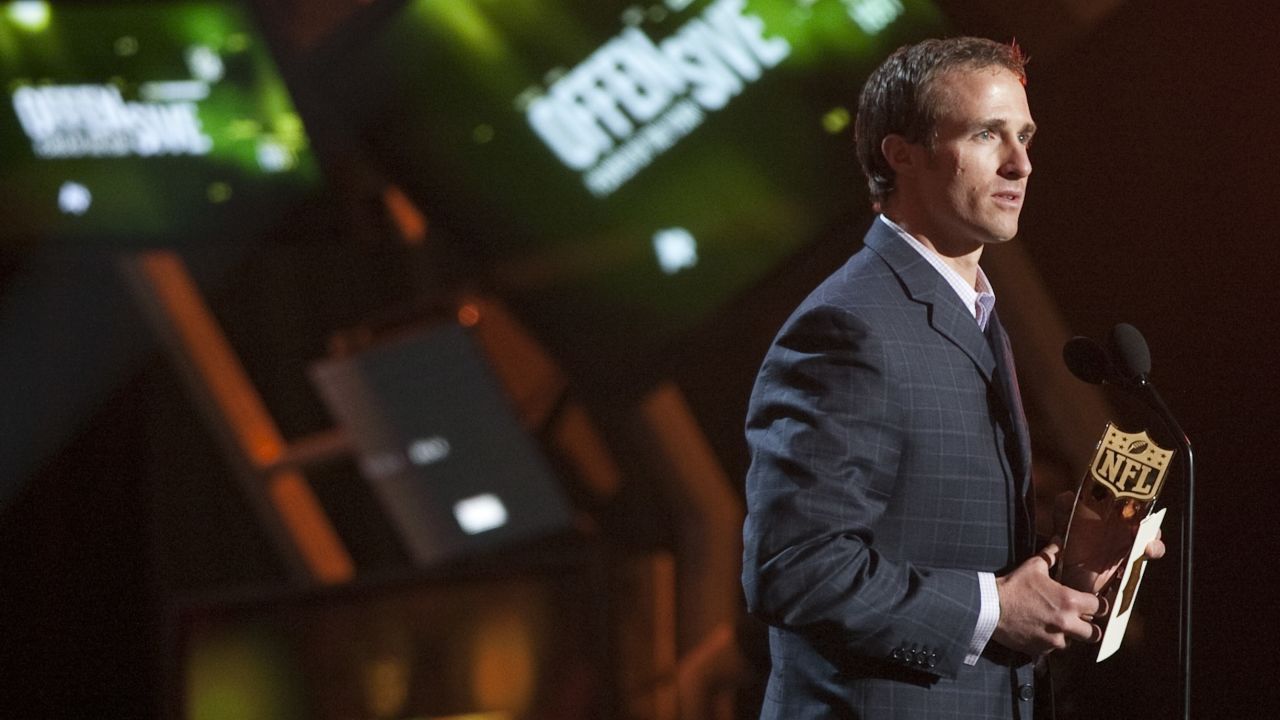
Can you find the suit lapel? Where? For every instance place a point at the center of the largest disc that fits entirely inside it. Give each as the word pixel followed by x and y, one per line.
pixel 947 316
pixel 989 351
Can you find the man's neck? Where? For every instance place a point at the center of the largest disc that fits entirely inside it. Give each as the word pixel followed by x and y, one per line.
pixel 964 259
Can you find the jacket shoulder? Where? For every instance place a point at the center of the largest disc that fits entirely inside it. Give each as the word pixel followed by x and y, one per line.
pixel 863 287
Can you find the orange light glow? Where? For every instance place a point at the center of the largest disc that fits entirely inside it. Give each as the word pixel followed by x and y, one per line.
pixel 236 406
pixel 309 526
pixel 469 315
pixel 408 219
pixel 503 676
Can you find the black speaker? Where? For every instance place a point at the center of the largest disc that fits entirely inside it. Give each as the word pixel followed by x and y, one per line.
pixel 439 442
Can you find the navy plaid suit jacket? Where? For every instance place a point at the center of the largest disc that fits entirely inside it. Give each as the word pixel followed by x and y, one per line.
pixel 889 463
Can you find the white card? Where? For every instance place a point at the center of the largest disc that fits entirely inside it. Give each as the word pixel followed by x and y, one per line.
pixel 1134 569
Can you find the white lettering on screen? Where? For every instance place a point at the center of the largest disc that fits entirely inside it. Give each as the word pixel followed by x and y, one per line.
pixel 632 99
pixel 873 15
pixel 72 121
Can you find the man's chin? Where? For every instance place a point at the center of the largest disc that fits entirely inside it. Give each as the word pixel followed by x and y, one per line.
pixel 998 235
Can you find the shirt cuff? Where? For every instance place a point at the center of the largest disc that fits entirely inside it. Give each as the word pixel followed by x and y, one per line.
pixel 988 617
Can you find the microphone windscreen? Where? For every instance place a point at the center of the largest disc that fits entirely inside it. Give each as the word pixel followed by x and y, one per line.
pixel 1131 349
pixel 1086 359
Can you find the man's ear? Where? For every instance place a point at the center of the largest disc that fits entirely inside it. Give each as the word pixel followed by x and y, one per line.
pixel 903 156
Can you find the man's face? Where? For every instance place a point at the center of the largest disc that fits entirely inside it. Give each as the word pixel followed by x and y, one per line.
pixel 974 178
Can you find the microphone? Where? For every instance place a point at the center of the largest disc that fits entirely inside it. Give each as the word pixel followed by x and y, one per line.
pixel 1089 361
pixel 1129 345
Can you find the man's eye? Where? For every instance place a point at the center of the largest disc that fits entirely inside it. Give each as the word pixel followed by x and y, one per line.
pixel 984 135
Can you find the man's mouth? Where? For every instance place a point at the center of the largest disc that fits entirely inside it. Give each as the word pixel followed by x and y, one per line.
pixel 1009 198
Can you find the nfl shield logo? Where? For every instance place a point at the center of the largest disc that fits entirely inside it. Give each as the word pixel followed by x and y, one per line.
pixel 1130 465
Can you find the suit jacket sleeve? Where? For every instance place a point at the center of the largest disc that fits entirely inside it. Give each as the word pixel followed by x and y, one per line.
pixel 826 427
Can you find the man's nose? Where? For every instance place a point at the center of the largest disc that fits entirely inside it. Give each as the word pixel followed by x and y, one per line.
pixel 1018 164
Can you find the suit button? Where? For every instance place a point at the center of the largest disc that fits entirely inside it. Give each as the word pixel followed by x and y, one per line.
pixel 896 654
pixel 1026 691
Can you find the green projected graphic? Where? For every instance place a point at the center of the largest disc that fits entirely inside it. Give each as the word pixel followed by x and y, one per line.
pixel 145 121
pixel 623 168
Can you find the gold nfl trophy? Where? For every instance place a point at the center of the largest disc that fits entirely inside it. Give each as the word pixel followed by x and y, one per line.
pixel 1111 524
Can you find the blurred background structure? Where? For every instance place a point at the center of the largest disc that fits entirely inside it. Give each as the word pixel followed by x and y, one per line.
pixel 389 358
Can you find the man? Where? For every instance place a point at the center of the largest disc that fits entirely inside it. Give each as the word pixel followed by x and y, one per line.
pixel 889 539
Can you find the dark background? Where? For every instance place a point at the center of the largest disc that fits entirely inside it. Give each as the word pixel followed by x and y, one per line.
pixel 1152 202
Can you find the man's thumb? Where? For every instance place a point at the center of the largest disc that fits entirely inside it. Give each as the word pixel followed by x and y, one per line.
pixel 1049 553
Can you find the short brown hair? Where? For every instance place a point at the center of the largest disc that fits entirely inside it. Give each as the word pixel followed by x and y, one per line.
pixel 899 97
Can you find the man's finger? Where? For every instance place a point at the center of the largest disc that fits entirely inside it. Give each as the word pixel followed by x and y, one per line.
pixel 1104 607
pixel 1049 553
pixel 1081 630
pixel 1155 550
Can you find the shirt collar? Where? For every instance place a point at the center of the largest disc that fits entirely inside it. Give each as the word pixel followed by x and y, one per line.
pixel 980 300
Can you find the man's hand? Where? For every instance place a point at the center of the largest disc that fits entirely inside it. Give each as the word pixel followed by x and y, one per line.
pixel 1038 615
pixel 1098 550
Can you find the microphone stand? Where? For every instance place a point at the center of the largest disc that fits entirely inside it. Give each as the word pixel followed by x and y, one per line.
pixel 1188 534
